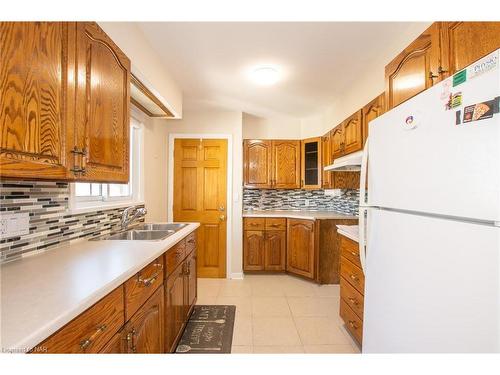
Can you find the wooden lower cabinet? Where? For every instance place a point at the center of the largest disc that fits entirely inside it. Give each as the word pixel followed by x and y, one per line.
pixel 253 250
pixel 144 331
pixel 302 241
pixel 190 286
pixel 352 287
pixel 174 311
pixel 274 250
pixel 117 344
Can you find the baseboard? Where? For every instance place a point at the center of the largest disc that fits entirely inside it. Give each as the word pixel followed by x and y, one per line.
pixel 236 276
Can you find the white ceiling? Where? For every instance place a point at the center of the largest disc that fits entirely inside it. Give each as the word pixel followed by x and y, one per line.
pixel 319 60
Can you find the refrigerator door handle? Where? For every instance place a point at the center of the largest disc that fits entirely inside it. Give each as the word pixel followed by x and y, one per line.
pixel 363 175
pixel 362 236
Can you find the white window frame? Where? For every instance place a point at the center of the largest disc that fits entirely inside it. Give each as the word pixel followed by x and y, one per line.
pixel 136 184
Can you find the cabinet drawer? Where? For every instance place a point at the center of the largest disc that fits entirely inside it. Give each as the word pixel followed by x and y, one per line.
pixel 350 250
pixel 353 274
pixel 190 242
pixel 254 223
pixel 352 322
pixel 142 285
pixel 352 297
pixel 91 330
pixel 276 224
pixel 175 255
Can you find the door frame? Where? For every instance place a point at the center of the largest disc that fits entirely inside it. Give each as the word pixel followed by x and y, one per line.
pixel 229 181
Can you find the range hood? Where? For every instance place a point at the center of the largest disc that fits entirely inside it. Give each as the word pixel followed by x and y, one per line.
pixel 348 163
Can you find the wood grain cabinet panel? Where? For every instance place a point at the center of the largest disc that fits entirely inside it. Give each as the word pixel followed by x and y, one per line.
pixel 371 111
pixel 36 99
pixel 353 323
pixel 326 157
pixel 286 164
pixel 414 69
pixel 301 247
pixel 353 274
pixel 353 133
pixel 275 250
pixel 174 308
pixel 117 344
pixel 190 288
pixel 144 331
pixel 102 99
pixel 462 43
pixel 257 163
pixel 90 331
pixel 253 250
pixel 337 142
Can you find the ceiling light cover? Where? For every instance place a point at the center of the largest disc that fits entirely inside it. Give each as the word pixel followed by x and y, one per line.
pixel 265 75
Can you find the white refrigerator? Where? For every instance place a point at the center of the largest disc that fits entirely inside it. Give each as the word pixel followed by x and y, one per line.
pixel 430 219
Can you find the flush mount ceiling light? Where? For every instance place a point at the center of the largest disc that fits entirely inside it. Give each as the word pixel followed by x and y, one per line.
pixel 265 75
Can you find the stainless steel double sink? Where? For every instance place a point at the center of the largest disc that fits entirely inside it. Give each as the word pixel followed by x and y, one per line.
pixel 144 232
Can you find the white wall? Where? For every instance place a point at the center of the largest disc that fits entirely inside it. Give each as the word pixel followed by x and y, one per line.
pixel 255 127
pixel 156 168
pixel 146 63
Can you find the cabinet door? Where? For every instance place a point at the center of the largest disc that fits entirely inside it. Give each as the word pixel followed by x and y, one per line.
pixel 413 70
pixel 117 344
pixel 337 141
pixel 301 244
pixel 311 163
pixel 286 164
pixel 275 250
pixel 102 113
pixel 353 133
pixel 190 284
pixel 253 250
pixel 174 308
pixel 326 156
pixel 257 163
pixel 462 43
pixel 371 111
pixel 36 99
pixel 145 329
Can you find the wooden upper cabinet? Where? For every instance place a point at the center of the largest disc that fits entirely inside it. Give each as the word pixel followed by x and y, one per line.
pixel 36 106
pixel 286 164
pixel 257 168
pixel 311 163
pixel 371 111
pixel 414 69
pixel 102 113
pixel 353 133
pixel 326 156
pixel 337 141
pixel 462 43
pixel 301 247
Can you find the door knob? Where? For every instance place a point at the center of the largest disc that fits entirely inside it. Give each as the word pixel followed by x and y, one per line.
pixel 222 208
pixel 222 217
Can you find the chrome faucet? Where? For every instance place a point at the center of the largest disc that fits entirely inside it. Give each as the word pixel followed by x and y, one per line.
pixel 126 219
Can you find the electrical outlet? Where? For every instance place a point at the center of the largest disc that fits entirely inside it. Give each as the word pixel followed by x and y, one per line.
pixel 306 202
pixel 14 224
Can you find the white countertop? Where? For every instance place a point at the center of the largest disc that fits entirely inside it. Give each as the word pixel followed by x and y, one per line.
pixel 43 292
pixel 350 231
pixel 311 215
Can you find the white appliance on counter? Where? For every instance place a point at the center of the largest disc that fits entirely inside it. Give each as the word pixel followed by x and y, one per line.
pixel 430 223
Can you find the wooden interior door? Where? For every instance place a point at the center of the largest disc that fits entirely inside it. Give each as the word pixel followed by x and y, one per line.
pixel 253 250
pixel 462 43
pixel 371 111
pixel 36 99
pixel 275 250
pixel 102 112
pixel 200 178
pixel 301 242
pixel 353 133
pixel 414 69
pixel 257 168
pixel 286 164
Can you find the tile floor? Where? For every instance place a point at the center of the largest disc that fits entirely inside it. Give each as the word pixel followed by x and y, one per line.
pixel 280 314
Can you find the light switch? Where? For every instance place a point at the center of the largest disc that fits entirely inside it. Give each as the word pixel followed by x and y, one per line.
pixel 14 224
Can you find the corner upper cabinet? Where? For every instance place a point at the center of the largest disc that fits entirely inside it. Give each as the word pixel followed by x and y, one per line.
pixel 286 164
pixel 102 114
pixel 415 69
pixel 36 99
pixel 371 111
pixel 257 168
pixel 311 163
pixel 462 43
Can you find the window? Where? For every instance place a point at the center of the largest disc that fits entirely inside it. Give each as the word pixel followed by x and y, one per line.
pixel 86 194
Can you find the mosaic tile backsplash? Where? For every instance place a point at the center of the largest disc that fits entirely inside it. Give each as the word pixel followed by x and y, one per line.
pixel 49 224
pixel 299 199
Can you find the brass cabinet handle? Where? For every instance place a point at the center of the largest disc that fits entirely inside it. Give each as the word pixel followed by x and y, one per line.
pixel 441 70
pixel 85 343
pixel 130 340
pixel 354 277
pixel 354 253
pixel 274 225
pixel 150 280
pixel 353 301
pixel 432 76
pixel 352 324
